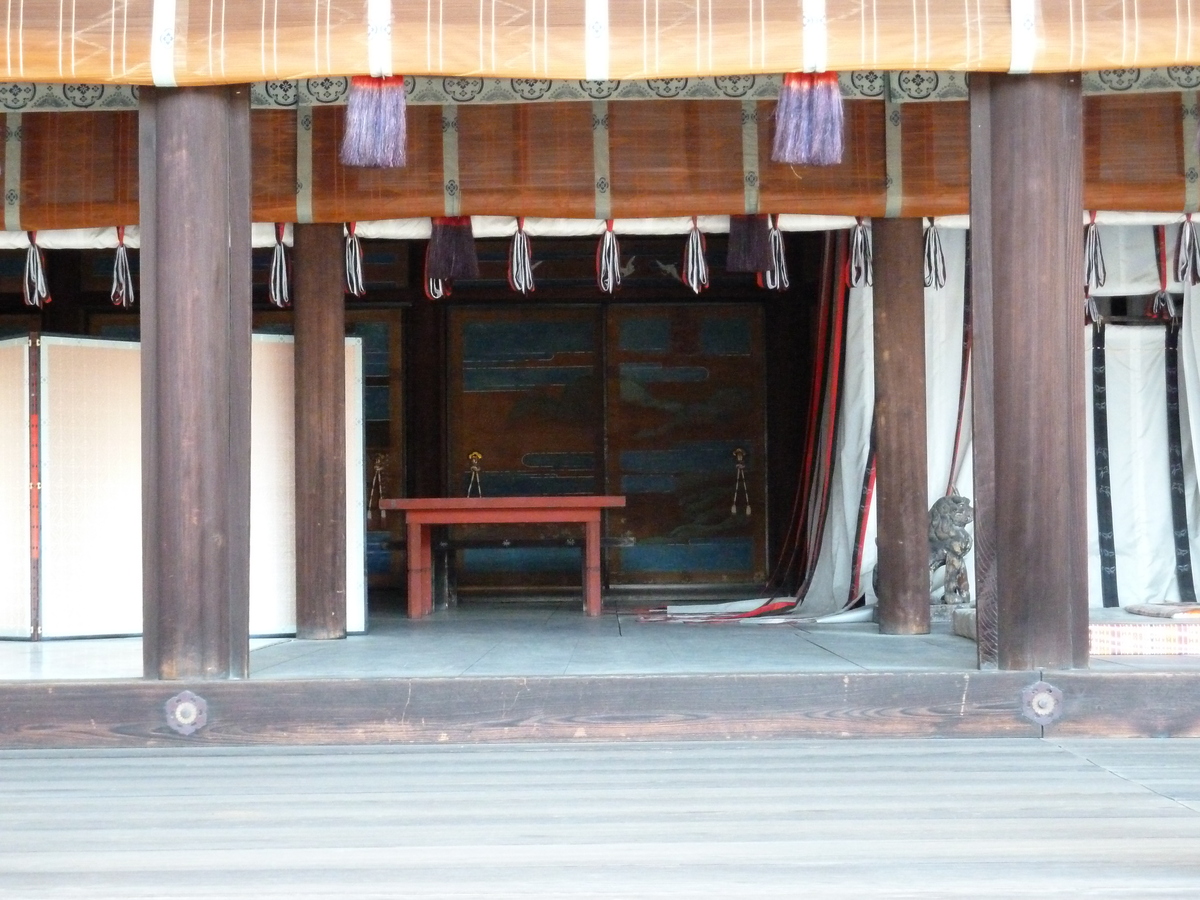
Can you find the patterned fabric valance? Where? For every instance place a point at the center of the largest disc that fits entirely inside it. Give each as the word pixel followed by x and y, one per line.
pixel 906 86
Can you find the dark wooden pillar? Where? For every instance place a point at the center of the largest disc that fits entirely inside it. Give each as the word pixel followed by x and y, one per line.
pixel 320 328
pixel 983 422
pixel 1031 204
pixel 194 176
pixel 900 455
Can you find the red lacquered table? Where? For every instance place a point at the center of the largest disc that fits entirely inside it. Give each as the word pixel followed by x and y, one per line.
pixel 421 514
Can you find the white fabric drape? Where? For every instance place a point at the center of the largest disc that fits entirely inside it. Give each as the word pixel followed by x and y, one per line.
pixel 943 368
pixel 1189 414
pixel 1135 369
pixel 832 576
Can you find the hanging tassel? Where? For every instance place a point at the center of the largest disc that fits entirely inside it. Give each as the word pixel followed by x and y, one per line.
pixel 277 291
pixel 695 267
pixel 749 248
pixel 775 278
pixel 375 134
pixel 935 258
pixel 122 283
pixel 33 285
pixel 809 120
pixel 1164 303
pixel 520 261
pixel 356 285
pixel 1187 253
pixel 1095 273
pixel 451 250
pixel 608 260
pixel 860 255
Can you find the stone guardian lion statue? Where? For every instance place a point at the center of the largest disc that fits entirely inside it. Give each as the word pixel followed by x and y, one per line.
pixel 949 543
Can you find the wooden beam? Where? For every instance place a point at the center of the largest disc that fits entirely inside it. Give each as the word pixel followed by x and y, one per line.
pixel 983 438
pixel 320 328
pixel 585 708
pixel 900 435
pixel 194 167
pixel 1036 250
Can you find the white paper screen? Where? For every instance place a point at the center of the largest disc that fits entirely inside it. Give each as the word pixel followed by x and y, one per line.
pixel 91 573
pixel 14 489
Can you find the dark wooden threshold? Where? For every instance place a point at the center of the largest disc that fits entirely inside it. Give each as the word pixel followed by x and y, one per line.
pixel 129 714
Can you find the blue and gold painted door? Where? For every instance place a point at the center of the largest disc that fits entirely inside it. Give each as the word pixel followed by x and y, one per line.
pixel 684 386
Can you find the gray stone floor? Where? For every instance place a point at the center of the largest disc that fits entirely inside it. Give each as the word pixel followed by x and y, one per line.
pixel 550 638
pixel 1029 818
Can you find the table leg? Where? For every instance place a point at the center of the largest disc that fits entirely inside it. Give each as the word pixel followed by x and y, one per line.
pixel 416 590
pixel 427 568
pixel 592 600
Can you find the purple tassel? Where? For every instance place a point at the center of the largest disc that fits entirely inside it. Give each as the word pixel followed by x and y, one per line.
pixel 749 248
pixel 809 120
pixel 451 251
pixel 375 123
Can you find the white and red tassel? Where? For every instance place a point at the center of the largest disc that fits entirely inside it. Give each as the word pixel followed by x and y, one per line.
pixel 775 278
pixel 809 121
pixel 278 289
pixel 520 261
pixel 1187 253
pixel 1095 272
pixel 608 260
pixel 33 284
pixel 356 285
pixel 695 266
pixel 122 283
pixel 935 258
pixel 1164 303
pixel 860 255
pixel 376 130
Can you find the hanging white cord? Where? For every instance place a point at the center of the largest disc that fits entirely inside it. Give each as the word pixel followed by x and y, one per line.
pixel 1187 254
pixel 1163 301
pixel 33 285
pixel 520 261
pixel 278 291
pixel 1095 272
pixel 355 284
pixel 776 277
pixel 935 258
pixel 695 267
pixel 122 283
pixel 608 261
pixel 437 288
pixel 860 255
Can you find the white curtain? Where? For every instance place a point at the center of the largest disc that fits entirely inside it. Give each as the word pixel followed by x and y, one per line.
pixel 943 367
pixel 1135 370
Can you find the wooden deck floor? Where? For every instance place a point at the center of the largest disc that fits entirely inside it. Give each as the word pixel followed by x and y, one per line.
pixel 821 819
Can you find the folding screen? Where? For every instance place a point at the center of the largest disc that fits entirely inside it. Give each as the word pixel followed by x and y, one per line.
pixel 15 601
pixel 91 498
pixel 88 432
pixel 273 489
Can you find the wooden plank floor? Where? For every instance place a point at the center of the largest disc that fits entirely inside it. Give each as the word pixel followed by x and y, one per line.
pixel 823 819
